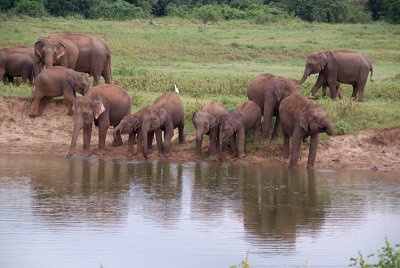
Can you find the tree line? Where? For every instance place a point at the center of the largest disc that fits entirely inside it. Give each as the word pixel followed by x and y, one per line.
pixel 332 11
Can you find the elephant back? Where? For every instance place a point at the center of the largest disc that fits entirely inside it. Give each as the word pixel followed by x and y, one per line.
pixel 250 113
pixel 216 108
pixel 171 102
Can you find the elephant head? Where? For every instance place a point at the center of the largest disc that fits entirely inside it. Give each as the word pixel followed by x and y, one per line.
pixel 154 118
pixel 86 111
pixel 315 63
pixel 50 50
pixel 128 124
pixel 315 119
pixel 79 82
pixel 203 121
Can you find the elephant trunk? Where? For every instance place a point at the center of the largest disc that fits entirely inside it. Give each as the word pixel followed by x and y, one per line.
pixel 48 60
pixel 115 132
pixel 199 139
pixel 221 139
pixel 306 74
pixel 78 125
pixel 329 129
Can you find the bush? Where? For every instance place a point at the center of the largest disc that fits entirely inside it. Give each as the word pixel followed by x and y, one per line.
pixel 208 13
pixel 392 10
pixel 389 257
pixel 30 8
pixel 118 10
pixel 180 11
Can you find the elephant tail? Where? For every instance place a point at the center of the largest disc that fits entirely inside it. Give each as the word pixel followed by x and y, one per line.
pixel 109 66
pixel 372 71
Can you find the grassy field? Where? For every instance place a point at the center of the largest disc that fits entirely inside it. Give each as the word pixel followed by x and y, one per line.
pixel 217 61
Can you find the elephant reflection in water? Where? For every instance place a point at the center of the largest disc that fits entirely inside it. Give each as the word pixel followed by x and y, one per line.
pixel 73 183
pixel 159 187
pixel 278 204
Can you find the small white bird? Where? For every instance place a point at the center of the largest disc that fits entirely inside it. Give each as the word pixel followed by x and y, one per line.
pixel 176 89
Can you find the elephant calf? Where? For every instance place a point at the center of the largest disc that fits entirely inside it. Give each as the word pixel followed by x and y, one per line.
pixel 165 114
pixel 105 105
pixel 300 118
pixel 58 81
pixel 268 91
pixel 206 121
pixel 235 125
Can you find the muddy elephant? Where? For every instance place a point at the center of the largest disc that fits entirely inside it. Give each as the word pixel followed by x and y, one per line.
pixel 80 52
pixel 18 61
pixel 57 81
pixel 339 66
pixel 235 125
pixel 132 124
pixel 164 115
pixel 105 105
pixel 300 118
pixel 268 91
pixel 206 121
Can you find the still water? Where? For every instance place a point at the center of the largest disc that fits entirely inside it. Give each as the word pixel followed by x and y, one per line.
pixel 58 212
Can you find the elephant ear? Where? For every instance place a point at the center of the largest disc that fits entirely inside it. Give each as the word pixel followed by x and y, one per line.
pixel 303 121
pixel 70 81
pixel 39 47
pixel 165 118
pixel 61 49
pixel 214 121
pixel 331 64
pixel 322 60
pixel 98 108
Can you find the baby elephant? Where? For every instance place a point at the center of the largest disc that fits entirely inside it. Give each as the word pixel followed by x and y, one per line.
pixel 300 118
pixel 58 81
pixel 105 105
pixel 206 121
pixel 236 123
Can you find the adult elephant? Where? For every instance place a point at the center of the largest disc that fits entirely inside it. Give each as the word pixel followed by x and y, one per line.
pixel 105 105
pixel 58 81
pixel 300 118
pixel 339 66
pixel 80 52
pixel 235 125
pixel 206 121
pixel 165 114
pixel 268 91
pixel 18 61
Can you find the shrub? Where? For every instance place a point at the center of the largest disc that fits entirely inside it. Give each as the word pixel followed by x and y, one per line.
pixel 119 10
pixel 30 8
pixel 392 10
pixel 180 11
pixel 208 13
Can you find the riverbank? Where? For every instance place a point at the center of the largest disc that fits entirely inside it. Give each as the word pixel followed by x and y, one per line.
pixel 50 134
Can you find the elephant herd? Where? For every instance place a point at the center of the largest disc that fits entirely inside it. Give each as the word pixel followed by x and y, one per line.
pixel 68 59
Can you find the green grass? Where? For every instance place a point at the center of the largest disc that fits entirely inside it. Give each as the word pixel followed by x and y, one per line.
pixel 217 61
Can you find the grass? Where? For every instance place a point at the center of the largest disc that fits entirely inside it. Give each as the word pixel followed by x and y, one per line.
pixel 217 61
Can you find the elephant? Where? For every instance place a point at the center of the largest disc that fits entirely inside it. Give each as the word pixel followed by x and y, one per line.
pixel 165 114
pixel 268 91
pixel 300 118
pixel 105 105
pixel 131 124
pixel 80 52
pixel 206 121
pixel 18 61
pixel 57 81
pixel 237 123
pixel 339 66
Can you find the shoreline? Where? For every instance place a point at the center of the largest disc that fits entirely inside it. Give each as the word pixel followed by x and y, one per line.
pixel 50 134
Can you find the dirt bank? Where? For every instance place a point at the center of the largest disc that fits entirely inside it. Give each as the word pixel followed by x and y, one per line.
pixel 51 134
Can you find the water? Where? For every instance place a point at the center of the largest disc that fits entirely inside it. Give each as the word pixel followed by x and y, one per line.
pixel 57 212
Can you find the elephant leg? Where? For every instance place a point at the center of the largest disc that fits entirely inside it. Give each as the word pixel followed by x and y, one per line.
pixel 286 145
pixel 320 81
pixel 96 80
pixel 360 91
pixel 213 141
pixel 131 143
pixel 139 142
pixel 106 73
pixel 104 124
pixel 333 88
pixel 37 99
pixel 354 94
pixel 181 134
pixel 312 151
pixel 296 143
pixel 268 113
pixel 70 99
pixel 241 139
pixel 168 134
pixel 158 133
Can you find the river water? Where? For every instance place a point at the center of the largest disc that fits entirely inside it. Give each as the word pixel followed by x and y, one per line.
pixel 59 212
